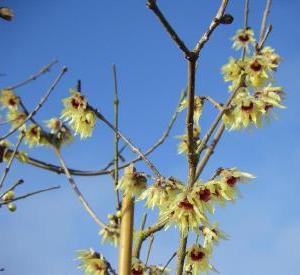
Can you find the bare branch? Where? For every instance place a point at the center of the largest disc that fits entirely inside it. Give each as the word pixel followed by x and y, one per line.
pixel 169 261
pixel 151 240
pixel 126 140
pixel 153 6
pixel 7 168
pixel 77 191
pixel 116 137
pixel 43 70
pixel 264 20
pixel 29 195
pixel 213 25
pixel 13 187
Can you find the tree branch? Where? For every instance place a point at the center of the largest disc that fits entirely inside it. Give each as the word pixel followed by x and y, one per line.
pixel 43 70
pixel 175 37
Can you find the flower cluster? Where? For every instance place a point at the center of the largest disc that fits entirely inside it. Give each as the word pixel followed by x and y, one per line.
pixel 80 118
pixel 92 263
pixel 132 183
pixel 188 208
pixel 258 97
pixel 111 233
pixel 60 133
pixel 161 193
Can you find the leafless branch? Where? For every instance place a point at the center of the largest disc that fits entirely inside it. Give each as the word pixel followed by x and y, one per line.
pixel 80 196
pixel 29 195
pixel 13 187
pixel 7 168
pixel 152 5
pixel 43 70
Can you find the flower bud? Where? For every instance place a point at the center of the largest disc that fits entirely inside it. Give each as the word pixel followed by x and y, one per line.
pixel 8 196
pixel 12 207
pixel 6 13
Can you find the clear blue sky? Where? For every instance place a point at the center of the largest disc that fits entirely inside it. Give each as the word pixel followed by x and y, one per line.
pixel 41 237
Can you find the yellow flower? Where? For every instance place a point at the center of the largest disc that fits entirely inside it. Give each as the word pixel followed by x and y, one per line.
pixel 197 261
pixel 84 124
pixel 16 118
pixel 270 97
pixel 4 145
pixel 228 180
pixel 245 110
pixel 9 100
pixel 212 236
pixel 203 194
pixel 232 71
pixel 243 38
pixel 161 193
pixel 183 146
pixel 92 263
pixel 138 268
pixel 198 107
pixel 272 58
pixel 81 120
pixel 111 233
pixel 183 213
pixel 8 196
pixel 132 183
pixel 34 136
pixel 258 71
pixel 73 105
pixel 61 133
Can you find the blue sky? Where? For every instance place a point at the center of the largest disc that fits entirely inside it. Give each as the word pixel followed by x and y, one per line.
pixel 41 237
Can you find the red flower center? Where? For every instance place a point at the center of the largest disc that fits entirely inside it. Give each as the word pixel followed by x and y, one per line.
pixel 204 195
pixel 34 131
pixel 137 271
pixel 186 205
pixel 12 102
pixel 268 107
pixel 244 38
pixel 197 255
pixel 231 181
pixel 248 108
pixel 256 66
pixel 75 103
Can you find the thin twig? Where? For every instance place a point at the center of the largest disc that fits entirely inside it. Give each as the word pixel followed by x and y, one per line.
pixel 111 163
pixel 77 191
pixel 220 115
pixel 43 70
pixel 209 151
pixel 215 103
pixel 175 37
pixel 262 42
pixel 151 240
pixel 7 168
pixel 13 187
pixel 246 14
pixel 169 261
pixel 181 252
pixel 116 137
pixel 213 25
pixel 29 195
pixel 142 235
pixel 126 140
pixel 264 20
pixel 40 104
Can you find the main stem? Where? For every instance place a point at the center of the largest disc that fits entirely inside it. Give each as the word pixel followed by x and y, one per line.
pixel 191 155
pixel 125 249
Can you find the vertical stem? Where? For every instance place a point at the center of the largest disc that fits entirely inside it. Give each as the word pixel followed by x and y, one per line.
pixel 192 156
pixel 116 138
pixel 192 159
pixel 125 249
pixel 181 255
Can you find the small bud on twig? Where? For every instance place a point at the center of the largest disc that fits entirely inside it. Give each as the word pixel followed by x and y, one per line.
pixel 226 19
pixel 6 13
